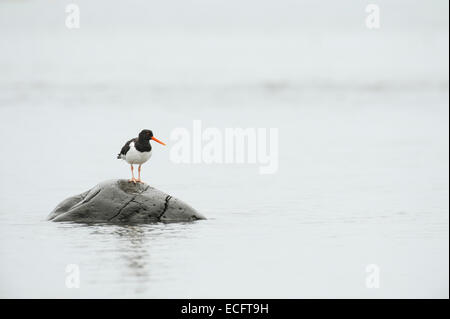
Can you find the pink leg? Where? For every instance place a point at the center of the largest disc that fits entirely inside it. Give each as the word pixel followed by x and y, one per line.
pixel 139 175
pixel 132 175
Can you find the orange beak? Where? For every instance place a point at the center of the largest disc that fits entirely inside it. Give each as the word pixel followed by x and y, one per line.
pixel 156 140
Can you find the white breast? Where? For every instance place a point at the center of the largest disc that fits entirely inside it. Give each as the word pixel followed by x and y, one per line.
pixel 133 156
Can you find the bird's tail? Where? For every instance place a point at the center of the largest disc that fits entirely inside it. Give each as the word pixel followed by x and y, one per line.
pixel 120 156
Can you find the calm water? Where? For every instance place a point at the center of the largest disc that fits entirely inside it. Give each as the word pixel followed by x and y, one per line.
pixel 357 185
pixel 363 154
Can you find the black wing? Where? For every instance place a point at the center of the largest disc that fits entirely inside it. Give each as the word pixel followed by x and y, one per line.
pixel 125 148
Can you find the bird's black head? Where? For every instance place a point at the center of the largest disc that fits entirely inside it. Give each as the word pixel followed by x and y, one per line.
pixel 147 135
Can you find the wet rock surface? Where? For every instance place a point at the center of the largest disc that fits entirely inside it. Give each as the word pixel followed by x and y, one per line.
pixel 119 201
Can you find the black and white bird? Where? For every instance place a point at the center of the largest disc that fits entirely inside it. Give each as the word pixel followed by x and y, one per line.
pixel 138 151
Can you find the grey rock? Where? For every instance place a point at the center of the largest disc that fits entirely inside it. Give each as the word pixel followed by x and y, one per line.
pixel 119 201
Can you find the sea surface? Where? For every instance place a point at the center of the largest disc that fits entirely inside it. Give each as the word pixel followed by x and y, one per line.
pixel 363 155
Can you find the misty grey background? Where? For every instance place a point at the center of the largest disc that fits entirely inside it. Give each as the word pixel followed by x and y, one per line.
pixel 363 122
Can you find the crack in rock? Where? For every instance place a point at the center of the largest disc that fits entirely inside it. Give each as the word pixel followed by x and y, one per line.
pixel 90 198
pixel 127 203
pixel 166 205
pixel 85 199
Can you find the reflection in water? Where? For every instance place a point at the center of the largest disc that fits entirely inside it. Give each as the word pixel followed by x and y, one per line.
pixel 133 245
pixel 132 248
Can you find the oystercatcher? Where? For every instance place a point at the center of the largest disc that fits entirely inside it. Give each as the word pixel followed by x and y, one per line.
pixel 138 151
